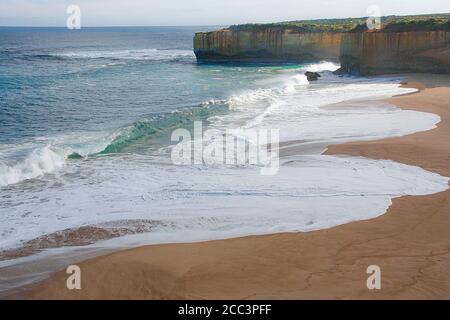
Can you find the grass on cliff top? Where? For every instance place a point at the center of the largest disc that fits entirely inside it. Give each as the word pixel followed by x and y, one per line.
pixel 431 22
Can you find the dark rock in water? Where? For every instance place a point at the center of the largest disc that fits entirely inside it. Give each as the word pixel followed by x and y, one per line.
pixel 341 71
pixel 348 70
pixel 75 156
pixel 312 76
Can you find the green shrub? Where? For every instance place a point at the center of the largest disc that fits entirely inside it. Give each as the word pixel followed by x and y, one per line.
pixel 389 24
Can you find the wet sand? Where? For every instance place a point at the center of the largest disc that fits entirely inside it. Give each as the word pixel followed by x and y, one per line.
pixel 410 243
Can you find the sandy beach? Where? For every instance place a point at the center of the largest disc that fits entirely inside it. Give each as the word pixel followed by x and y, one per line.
pixel 410 243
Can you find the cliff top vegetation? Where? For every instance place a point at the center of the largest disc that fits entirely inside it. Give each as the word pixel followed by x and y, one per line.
pixel 429 22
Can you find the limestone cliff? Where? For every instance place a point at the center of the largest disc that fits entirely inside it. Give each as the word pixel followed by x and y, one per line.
pixel 396 52
pixel 268 44
pixel 403 44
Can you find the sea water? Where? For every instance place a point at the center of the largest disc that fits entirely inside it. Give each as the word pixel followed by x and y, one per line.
pixel 85 124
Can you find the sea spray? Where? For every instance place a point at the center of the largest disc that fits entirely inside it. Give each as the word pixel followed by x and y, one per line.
pixel 39 162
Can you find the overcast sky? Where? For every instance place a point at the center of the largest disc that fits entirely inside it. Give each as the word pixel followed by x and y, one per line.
pixel 200 12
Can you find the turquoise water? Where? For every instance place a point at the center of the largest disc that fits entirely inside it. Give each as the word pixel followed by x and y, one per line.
pixel 54 81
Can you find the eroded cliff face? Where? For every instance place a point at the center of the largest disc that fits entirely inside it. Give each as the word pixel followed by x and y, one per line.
pixel 266 45
pixel 370 53
pixel 365 53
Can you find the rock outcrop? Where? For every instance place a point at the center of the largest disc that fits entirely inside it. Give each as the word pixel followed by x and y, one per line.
pixel 370 53
pixel 312 76
pixel 267 44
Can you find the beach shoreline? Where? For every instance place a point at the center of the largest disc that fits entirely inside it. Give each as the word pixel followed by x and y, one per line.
pixel 410 242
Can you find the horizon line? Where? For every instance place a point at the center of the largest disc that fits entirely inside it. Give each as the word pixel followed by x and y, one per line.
pixel 117 26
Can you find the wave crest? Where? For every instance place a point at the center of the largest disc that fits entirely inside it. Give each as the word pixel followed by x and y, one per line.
pixel 137 54
pixel 160 124
pixel 37 163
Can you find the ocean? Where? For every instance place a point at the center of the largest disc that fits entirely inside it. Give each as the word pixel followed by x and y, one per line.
pixel 86 119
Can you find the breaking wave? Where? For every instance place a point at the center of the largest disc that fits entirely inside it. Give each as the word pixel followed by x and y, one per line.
pixel 42 160
pixel 137 54
pixel 160 124
pixel 38 162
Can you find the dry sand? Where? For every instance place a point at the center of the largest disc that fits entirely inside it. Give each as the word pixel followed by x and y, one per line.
pixel 411 242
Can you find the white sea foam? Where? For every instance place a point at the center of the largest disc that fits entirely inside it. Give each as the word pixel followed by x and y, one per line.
pixel 196 203
pixel 290 104
pixel 45 155
pixel 295 106
pixel 322 66
pixel 40 161
pixel 135 54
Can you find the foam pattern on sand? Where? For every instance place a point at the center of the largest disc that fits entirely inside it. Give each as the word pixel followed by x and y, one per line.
pixel 308 193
